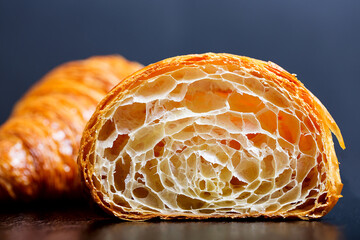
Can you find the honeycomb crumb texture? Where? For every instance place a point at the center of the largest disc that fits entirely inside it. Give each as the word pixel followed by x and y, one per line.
pixel 210 140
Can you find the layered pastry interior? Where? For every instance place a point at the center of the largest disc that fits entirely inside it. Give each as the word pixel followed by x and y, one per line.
pixel 210 140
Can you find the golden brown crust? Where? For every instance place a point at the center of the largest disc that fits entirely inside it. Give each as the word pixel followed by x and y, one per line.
pixel 267 70
pixel 40 141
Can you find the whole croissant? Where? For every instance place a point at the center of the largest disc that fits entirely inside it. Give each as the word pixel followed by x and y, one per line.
pixel 211 136
pixel 40 141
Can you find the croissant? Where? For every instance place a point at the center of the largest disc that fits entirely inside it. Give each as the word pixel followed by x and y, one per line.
pixel 211 136
pixel 39 143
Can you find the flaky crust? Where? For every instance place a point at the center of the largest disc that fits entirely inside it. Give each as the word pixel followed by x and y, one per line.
pixel 266 70
pixel 40 141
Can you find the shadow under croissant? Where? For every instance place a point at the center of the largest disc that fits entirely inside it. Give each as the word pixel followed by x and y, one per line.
pixel 81 221
pixel 243 229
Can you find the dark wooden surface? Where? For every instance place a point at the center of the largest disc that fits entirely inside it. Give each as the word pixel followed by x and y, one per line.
pixel 80 220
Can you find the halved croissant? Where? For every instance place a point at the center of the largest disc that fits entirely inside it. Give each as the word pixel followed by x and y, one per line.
pixel 39 143
pixel 211 136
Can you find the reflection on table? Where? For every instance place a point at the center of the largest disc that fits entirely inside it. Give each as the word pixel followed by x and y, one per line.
pixel 71 224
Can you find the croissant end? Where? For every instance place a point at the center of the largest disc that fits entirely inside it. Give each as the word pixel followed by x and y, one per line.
pixel 39 143
pixel 211 136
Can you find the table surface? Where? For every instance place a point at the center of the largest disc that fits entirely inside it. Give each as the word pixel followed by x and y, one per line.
pixel 80 220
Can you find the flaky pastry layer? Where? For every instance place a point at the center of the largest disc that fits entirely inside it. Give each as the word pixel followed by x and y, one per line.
pixel 39 143
pixel 211 136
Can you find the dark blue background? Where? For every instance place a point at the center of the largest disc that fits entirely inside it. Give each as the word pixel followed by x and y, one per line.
pixel 318 40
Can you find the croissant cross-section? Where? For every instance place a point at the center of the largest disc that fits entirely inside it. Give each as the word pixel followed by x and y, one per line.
pixel 209 136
